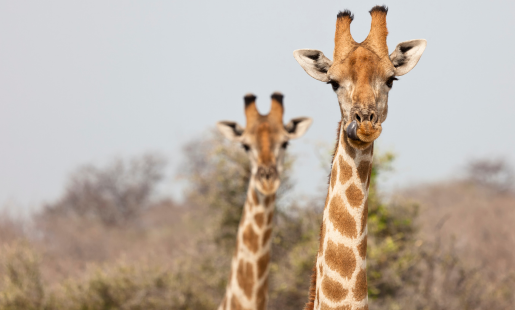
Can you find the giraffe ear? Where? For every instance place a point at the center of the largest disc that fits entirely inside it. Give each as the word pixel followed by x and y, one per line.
pixel 297 127
pixel 314 63
pixel 230 130
pixel 406 55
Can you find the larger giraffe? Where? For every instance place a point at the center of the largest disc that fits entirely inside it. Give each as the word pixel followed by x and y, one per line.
pixel 362 75
pixel 264 139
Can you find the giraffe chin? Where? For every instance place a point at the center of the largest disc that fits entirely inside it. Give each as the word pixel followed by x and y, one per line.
pixel 362 136
pixel 268 187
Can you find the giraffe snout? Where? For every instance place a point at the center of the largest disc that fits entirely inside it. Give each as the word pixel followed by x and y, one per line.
pixel 267 173
pixel 365 115
pixel 267 179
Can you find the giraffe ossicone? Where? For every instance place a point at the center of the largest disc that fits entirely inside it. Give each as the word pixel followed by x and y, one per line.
pixel 361 75
pixel 265 139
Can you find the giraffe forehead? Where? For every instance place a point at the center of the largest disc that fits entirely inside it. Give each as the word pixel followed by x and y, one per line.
pixel 265 133
pixel 361 66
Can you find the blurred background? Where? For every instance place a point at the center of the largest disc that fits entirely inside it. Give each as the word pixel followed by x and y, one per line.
pixel 116 193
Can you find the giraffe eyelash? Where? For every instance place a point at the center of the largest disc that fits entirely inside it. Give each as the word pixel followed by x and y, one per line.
pixel 389 82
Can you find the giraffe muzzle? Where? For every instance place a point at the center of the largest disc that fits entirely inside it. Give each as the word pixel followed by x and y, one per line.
pixel 268 179
pixel 362 134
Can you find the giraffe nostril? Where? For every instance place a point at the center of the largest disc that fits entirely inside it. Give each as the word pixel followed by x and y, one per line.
pixel 267 173
pixel 358 118
pixel 372 117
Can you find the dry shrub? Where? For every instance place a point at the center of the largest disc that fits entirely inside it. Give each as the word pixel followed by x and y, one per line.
pixel 11 228
pixel 496 174
pixel 114 194
pixel 166 255
pixel 135 286
pixel 479 219
pixel 294 246
pixel 21 286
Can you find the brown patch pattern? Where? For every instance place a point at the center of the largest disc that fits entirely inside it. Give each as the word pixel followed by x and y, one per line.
pixel 269 200
pixel 333 176
pixel 266 236
pixel 341 218
pixel 260 219
pixel 348 149
pixel 362 248
pixel 251 239
pixel 270 217
pixel 242 219
pixel 368 150
pixel 360 289
pixel 245 277
pixel 363 168
pixel 263 264
pixel 364 218
pixel 369 176
pixel 333 290
pixel 345 170
pixel 255 198
pixel 354 196
pixel 322 237
pixel 340 258
pixel 261 297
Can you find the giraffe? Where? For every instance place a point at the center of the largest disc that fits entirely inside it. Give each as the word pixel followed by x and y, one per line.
pixel 265 139
pixel 361 75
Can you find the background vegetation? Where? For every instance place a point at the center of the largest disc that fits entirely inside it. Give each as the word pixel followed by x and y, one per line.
pixel 110 243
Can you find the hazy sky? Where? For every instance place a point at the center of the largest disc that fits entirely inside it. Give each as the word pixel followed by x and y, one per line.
pixel 82 82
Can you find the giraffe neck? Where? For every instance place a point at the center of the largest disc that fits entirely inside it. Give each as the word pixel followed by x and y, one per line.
pixel 247 288
pixel 340 270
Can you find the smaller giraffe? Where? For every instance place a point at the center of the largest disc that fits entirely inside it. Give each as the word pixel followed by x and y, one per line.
pixel 265 139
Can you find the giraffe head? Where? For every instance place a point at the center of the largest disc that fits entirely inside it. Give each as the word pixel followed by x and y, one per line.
pixel 265 139
pixel 362 74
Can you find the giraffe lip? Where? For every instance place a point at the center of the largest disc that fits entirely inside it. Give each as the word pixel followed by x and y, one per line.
pixel 352 130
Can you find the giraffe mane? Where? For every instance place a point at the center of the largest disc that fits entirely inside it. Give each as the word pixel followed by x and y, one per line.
pixel 310 305
pixel 335 149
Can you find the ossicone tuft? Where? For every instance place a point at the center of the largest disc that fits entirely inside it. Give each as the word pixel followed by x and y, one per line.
pixel 249 98
pixel 345 13
pixel 379 8
pixel 277 96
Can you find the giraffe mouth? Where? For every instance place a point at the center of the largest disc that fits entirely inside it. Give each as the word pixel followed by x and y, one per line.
pixel 268 187
pixel 363 134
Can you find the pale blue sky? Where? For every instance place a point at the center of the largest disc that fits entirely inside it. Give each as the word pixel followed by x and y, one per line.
pixel 83 82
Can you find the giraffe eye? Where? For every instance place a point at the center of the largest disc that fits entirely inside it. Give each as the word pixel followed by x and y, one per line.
pixel 334 85
pixel 389 82
pixel 285 145
pixel 246 147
